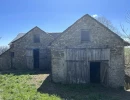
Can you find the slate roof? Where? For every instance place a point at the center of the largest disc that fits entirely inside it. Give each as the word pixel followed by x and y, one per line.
pixel 17 37
pixel 54 34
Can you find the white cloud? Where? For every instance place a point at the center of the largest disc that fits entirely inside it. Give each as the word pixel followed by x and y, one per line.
pixel 95 15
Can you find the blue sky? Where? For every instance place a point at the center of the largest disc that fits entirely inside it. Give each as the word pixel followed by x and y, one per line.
pixel 18 16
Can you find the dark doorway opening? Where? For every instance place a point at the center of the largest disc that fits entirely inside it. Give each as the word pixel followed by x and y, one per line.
pixel 36 58
pixel 95 72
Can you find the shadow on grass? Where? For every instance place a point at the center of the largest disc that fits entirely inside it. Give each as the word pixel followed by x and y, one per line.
pixel 82 91
pixel 25 72
pixel 74 91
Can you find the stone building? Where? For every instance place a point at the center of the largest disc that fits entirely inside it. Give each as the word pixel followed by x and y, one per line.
pixel 28 51
pixel 88 52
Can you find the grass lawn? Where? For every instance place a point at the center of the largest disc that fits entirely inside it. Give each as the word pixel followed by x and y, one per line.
pixel 38 86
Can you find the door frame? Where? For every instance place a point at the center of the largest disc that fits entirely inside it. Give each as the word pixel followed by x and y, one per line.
pixel 90 71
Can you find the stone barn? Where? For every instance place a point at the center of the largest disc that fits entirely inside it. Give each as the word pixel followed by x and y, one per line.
pixel 28 51
pixel 88 52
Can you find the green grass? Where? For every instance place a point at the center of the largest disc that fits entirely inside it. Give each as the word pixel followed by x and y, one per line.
pixel 32 86
pixel 15 87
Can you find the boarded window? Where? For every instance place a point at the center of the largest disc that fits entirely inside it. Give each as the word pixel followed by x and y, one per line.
pixel 36 38
pixel 85 36
pixel 12 54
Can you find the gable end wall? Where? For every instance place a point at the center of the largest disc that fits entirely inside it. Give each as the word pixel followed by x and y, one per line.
pixel 100 37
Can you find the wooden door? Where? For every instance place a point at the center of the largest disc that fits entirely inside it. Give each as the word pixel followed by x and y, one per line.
pixel 45 59
pixel 76 62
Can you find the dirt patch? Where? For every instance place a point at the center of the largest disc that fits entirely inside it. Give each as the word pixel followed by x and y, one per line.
pixel 38 79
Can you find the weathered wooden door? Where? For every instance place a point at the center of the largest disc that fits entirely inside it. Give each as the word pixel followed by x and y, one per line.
pixel 78 68
pixel 29 57
pixel 76 62
pixel 45 59
pixel 104 72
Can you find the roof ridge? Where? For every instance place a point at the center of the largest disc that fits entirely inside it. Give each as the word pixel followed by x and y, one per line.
pixel 68 28
pixel 53 32
pixel 30 31
pixel 87 15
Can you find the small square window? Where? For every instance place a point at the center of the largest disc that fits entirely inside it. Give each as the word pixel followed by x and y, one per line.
pixel 85 36
pixel 36 38
pixel 12 54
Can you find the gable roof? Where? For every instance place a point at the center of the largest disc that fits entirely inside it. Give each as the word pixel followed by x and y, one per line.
pixel 87 15
pixel 21 35
pixel 17 37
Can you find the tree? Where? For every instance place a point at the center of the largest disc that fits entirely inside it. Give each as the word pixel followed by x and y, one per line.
pixel 126 34
pixel 124 29
pixel 128 17
pixel 3 48
pixel 108 24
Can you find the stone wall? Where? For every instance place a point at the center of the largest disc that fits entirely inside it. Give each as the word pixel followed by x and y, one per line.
pixel 5 60
pixel 58 66
pixel 116 69
pixel 21 46
pixel 100 37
